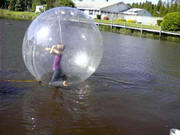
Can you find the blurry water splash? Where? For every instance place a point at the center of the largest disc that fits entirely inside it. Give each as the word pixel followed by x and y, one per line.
pixel 174 131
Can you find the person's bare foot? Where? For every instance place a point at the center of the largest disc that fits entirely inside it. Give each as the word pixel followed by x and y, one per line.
pixel 65 83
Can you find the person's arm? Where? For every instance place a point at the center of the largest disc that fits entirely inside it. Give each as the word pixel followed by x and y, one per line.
pixel 50 49
pixel 47 49
pixel 53 50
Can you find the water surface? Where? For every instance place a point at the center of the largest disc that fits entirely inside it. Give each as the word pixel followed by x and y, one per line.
pixel 135 90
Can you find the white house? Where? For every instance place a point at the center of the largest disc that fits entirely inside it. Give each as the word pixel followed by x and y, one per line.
pixel 137 12
pixel 139 16
pixel 101 8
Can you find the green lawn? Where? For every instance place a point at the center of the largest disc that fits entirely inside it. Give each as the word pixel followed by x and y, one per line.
pixel 17 15
pixel 128 24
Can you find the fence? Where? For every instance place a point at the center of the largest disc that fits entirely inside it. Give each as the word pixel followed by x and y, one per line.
pixel 140 29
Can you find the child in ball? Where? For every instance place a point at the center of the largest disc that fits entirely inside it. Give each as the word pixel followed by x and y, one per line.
pixel 57 77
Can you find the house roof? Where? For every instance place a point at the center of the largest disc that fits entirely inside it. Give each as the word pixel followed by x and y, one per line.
pixel 133 11
pixel 95 5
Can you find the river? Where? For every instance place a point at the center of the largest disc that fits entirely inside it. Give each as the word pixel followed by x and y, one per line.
pixel 135 90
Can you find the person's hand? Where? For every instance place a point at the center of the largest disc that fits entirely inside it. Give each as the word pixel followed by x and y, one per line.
pixel 47 49
pixel 65 83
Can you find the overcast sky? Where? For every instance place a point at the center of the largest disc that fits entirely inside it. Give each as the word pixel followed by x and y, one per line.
pixel 127 1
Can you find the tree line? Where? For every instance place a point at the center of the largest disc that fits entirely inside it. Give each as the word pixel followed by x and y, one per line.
pixel 161 8
pixel 30 5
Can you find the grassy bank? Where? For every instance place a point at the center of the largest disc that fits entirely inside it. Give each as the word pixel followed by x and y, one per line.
pixel 6 14
pixel 124 23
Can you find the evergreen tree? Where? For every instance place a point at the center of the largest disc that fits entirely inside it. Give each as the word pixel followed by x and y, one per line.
pixel 175 6
pixel 12 5
pixel 159 5
pixel 135 5
pixel 155 11
pixel 159 9
pixel 2 4
pixel 67 3
pixel 19 6
pixel 49 4
pixel 144 5
pixel 150 7
pixel 28 4
pixel 178 9
pixel 140 5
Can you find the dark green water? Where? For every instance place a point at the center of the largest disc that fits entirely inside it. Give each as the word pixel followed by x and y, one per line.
pixel 136 90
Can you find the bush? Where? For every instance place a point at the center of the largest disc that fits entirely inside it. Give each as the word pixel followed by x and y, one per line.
pixel 106 18
pixel 98 16
pixel 131 21
pixel 120 20
pixel 159 22
pixel 171 22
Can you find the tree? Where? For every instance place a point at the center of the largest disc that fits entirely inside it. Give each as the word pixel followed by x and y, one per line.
pixel 49 4
pixel 171 22
pixel 35 2
pixel 67 3
pixel 28 4
pixel 162 10
pixel 4 3
pixel 159 5
pixel 19 6
pixel 159 9
pixel 12 4
pixel 155 11
pixel 1 4
pixel 150 7
pixel 56 3
pixel 135 5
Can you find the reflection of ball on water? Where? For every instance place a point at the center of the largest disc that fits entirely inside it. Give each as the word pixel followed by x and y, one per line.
pixel 76 31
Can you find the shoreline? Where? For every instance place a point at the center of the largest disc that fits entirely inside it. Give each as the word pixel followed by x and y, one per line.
pixel 137 33
pixel 16 15
pixel 29 16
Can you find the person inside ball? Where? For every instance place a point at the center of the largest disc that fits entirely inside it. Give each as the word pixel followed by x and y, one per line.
pixel 58 78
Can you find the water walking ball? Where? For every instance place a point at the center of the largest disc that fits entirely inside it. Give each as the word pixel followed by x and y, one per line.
pixel 83 47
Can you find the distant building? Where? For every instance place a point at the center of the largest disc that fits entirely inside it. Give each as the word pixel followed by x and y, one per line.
pixel 137 12
pixel 102 8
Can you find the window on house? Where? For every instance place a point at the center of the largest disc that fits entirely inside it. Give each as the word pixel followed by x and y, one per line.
pixel 90 12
